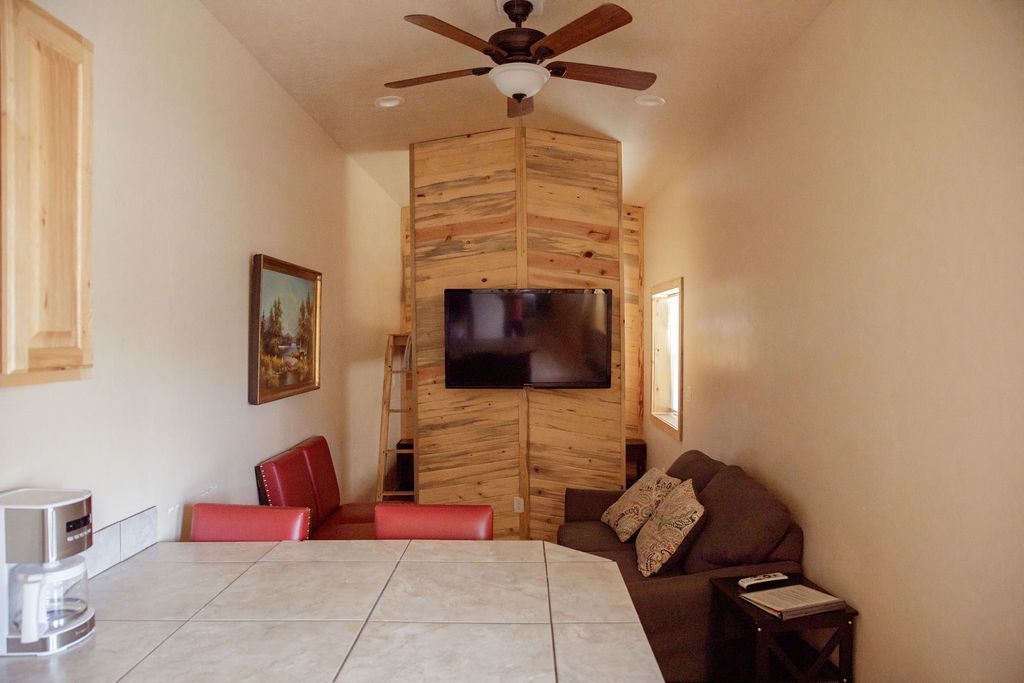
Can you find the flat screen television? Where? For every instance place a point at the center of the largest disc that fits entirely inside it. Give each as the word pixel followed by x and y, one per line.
pixel 511 338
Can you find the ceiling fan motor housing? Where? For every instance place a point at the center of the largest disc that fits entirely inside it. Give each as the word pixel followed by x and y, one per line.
pixel 516 42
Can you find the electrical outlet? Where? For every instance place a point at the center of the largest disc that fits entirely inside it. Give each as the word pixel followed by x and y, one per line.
pixel 518 505
pixel 209 489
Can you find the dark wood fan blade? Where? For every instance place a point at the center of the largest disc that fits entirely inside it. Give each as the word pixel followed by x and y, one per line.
pixel 454 33
pixel 518 108
pixel 605 75
pixel 479 71
pixel 591 25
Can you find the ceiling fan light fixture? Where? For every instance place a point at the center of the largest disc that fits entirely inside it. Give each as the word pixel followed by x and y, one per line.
pixel 519 80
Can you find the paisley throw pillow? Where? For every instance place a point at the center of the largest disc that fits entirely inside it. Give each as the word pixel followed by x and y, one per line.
pixel 626 515
pixel 670 531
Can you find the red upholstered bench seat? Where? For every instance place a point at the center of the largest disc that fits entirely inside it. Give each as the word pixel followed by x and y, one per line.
pixel 434 522
pixel 217 522
pixel 303 476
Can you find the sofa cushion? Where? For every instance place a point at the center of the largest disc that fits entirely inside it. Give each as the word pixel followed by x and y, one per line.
pixel 632 510
pixel 670 531
pixel 285 478
pixel 790 548
pixel 697 466
pixel 745 522
pixel 589 536
pixel 625 558
pixel 321 472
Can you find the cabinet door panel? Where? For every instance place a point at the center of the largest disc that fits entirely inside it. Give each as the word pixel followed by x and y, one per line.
pixel 45 247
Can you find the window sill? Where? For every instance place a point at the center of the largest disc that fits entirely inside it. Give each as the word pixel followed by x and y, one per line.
pixel 668 421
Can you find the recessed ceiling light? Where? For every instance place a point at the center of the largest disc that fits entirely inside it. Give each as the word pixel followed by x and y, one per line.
pixel 388 101
pixel 649 100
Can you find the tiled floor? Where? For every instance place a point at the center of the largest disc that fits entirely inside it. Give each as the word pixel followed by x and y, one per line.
pixel 357 611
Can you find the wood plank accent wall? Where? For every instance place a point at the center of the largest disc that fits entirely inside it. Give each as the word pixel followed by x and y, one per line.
pixel 514 208
pixel 406 380
pixel 407 290
pixel 464 232
pixel 633 320
pixel 573 210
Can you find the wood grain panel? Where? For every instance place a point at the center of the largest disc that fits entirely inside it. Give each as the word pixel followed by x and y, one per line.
pixel 573 214
pixel 45 309
pixel 633 320
pixel 514 208
pixel 406 380
pixel 464 235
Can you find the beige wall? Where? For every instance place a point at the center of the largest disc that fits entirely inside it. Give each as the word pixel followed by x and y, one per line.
pixel 201 160
pixel 853 247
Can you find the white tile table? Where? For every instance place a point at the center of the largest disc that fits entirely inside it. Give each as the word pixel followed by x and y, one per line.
pixel 356 611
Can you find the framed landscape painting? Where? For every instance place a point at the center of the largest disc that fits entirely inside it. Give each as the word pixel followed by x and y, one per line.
pixel 284 330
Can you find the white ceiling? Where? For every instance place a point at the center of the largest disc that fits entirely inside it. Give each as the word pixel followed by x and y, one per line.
pixel 334 56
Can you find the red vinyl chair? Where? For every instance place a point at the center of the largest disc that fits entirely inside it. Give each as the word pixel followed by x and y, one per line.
pixel 216 522
pixel 434 522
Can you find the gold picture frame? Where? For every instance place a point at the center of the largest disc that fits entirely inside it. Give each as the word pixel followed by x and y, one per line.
pixel 284 329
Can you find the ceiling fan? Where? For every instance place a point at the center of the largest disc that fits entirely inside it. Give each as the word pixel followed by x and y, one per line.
pixel 519 51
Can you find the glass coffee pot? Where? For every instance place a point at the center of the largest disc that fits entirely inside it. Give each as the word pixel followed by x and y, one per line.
pixel 47 598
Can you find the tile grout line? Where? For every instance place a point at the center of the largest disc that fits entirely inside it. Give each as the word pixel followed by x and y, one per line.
pixel 369 614
pixel 186 621
pixel 269 550
pixel 551 617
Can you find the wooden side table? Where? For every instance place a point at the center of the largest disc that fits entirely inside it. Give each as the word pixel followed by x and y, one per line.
pixel 799 660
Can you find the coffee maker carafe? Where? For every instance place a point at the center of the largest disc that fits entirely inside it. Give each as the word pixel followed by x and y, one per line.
pixel 44 601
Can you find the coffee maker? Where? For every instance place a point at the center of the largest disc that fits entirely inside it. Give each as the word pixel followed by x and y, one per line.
pixel 44 591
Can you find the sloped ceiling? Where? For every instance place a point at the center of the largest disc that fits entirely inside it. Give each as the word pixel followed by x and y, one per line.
pixel 334 56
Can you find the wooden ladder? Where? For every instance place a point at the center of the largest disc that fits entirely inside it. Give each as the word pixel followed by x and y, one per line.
pixel 398 348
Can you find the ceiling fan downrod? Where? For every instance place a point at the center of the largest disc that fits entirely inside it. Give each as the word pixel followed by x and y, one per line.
pixel 518 11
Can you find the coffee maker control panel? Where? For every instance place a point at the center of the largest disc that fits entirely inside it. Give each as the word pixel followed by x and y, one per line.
pixel 39 529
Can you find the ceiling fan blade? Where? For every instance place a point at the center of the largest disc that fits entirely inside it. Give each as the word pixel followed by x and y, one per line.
pixel 605 75
pixel 454 33
pixel 591 25
pixel 479 71
pixel 517 108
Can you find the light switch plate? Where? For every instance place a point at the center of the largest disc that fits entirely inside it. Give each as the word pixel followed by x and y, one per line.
pixel 518 505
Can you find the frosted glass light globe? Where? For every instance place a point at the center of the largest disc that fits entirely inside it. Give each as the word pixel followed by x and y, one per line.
pixel 519 78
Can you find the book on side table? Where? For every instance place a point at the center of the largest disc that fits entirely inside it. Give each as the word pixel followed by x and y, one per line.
pixel 790 602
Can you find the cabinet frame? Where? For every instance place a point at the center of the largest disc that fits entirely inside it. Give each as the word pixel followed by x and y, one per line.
pixel 46 90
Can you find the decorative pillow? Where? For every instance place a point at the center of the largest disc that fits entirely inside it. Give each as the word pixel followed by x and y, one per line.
pixel 745 523
pixel 634 507
pixel 670 531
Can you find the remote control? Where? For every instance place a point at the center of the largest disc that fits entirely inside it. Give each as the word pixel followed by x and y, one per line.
pixel 760 579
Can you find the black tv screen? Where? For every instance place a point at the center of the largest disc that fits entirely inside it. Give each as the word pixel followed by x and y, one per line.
pixel 510 338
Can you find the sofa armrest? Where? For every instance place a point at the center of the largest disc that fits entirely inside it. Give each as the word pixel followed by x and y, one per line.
pixel 675 612
pixel 585 505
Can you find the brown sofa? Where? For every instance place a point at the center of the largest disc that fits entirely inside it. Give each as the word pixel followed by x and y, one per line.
pixel 746 531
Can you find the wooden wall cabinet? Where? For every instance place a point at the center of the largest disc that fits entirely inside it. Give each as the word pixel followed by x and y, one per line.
pixel 45 190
